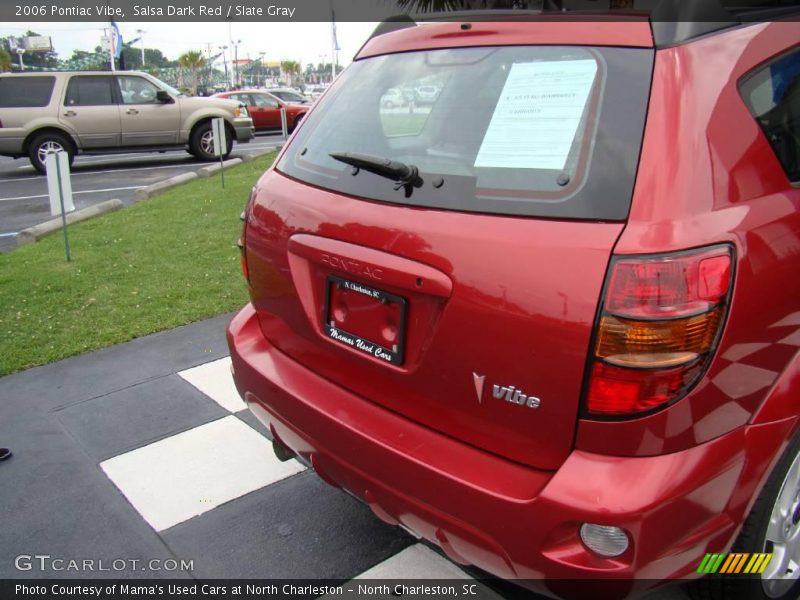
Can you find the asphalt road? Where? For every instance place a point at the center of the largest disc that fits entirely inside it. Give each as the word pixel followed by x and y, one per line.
pixel 23 192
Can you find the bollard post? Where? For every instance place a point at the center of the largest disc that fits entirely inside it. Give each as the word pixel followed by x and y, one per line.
pixel 59 188
pixel 220 144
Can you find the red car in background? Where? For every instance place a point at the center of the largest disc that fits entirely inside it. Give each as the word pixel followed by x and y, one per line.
pixel 265 109
pixel 550 321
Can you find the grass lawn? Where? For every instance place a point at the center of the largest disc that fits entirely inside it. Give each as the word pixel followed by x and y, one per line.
pixel 403 123
pixel 152 266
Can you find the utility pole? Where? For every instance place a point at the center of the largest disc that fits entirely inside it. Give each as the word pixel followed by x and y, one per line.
pixel 334 44
pixel 236 62
pixel 141 33
pixel 225 64
pixel 110 35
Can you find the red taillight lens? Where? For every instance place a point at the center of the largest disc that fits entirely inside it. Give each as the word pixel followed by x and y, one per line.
pixel 669 286
pixel 620 391
pixel 660 322
pixel 242 241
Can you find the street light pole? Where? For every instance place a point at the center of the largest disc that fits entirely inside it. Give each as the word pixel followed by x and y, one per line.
pixel 141 33
pixel 225 64
pixel 111 47
pixel 236 62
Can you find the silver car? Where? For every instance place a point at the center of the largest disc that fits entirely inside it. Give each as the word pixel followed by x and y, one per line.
pixel 97 112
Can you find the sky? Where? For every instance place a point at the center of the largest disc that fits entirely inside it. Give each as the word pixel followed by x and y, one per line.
pixel 306 42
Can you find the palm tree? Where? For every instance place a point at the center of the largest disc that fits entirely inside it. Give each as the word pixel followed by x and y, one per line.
pixel 5 60
pixel 290 68
pixel 192 60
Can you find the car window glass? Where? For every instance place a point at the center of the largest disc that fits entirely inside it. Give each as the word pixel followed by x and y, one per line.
pixel 772 93
pixel 405 109
pixel 547 131
pixel 137 90
pixel 89 90
pixel 25 92
pixel 263 101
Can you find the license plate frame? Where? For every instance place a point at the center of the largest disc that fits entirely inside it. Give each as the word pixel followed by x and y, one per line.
pixel 394 356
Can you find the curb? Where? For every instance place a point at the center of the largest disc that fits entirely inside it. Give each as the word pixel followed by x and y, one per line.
pixel 151 190
pixel 258 154
pixel 37 232
pixel 211 169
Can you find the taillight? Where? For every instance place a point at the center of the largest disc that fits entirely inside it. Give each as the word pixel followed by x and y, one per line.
pixel 658 328
pixel 242 241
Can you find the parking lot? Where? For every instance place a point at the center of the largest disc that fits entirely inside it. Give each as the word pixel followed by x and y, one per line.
pixel 23 192
pixel 161 471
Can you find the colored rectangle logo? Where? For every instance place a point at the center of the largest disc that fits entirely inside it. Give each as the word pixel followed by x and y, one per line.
pixel 734 563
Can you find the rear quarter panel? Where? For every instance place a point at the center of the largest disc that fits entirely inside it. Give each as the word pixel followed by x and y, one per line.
pixel 708 175
pixel 19 123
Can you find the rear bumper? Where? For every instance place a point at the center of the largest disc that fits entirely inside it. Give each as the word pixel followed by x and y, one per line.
pixel 245 131
pixel 509 519
pixel 11 141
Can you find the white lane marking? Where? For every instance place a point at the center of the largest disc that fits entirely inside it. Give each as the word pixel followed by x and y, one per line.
pixel 132 187
pixel 9 234
pixel 418 562
pixel 86 163
pixel 188 474
pixel 84 159
pixel 123 169
pixel 214 379
pixel 418 559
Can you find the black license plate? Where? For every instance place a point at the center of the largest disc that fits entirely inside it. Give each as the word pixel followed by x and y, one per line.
pixel 366 319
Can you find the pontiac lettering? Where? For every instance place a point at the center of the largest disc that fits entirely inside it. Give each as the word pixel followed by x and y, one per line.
pixel 351 266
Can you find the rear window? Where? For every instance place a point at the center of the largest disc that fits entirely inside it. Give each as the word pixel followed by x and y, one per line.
pixel 25 92
pixel 527 130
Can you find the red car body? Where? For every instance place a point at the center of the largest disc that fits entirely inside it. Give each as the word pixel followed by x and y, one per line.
pixel 265 109
pixel 496 299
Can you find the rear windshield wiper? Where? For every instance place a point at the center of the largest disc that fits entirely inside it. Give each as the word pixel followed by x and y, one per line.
pixel 406 176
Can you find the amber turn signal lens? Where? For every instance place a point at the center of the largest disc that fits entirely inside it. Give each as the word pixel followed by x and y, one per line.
pixel 634 343
pixel 243 259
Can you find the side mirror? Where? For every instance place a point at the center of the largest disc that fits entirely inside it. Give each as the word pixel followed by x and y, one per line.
pixel 164 97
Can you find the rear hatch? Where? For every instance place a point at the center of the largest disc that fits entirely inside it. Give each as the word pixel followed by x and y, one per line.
pixel 457 285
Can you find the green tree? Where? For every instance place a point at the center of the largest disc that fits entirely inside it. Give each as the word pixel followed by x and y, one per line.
pixel 192 60
pixel 82 60
pixel 290 68
pixel 5 60
pixel 153 58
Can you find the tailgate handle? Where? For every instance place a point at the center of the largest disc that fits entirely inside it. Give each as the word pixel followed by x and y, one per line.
pixel 366 264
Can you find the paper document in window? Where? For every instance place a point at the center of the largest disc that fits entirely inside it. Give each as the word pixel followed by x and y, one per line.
pixel 537 115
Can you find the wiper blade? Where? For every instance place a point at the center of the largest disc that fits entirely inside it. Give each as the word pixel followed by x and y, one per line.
pixel 406 176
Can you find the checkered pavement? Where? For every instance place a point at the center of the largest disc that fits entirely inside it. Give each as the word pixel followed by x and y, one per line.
pixel 187 474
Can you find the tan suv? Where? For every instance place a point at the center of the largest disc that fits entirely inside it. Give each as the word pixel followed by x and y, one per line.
pixel 96 112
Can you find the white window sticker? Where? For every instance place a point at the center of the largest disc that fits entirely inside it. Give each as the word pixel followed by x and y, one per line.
pixel 537 115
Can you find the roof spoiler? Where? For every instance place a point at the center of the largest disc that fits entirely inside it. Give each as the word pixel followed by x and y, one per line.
pixel 676 21
pixel 673 21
